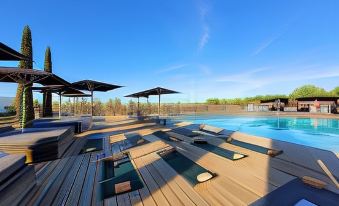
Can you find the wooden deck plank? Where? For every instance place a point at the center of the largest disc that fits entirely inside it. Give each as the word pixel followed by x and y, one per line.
pixel 164 187
pixel 67 184
pixel 269 166
pixel 112 201
pixel 123 200
pixel 146 197
pixel 135 198
pixel 74 195
pixel 96 196
pixel 155 191
pixel 171 175
pixel 86 192
pixel 147 148
pixel 222 168
pixel 45 185
pixel 170 182
pixel 54 189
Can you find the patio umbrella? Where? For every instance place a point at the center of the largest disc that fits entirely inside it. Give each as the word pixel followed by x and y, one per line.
pixel 9 54
pixel 27 77
pixel 155 91
pixel 90 85
pixel 64 90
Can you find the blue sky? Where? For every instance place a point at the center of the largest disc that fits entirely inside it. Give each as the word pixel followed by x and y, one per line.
pixel 201 48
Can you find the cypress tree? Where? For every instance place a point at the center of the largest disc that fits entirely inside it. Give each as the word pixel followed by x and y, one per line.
pixel 47 96
pixel 26 49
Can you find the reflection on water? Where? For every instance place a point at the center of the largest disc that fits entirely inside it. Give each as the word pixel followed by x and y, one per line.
pixel 320 133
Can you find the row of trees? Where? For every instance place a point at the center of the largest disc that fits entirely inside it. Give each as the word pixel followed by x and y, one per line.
pixel 112 107
pixel 303 91
pixel 24 92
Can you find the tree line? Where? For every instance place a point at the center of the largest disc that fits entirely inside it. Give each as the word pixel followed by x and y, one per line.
pixel 303 91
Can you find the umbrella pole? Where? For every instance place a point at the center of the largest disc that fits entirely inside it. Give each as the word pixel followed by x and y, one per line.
pixel 138 106
pixel 159 106
pixel 92 103
pixel 148 107
pixel 74 106
pixel 59 105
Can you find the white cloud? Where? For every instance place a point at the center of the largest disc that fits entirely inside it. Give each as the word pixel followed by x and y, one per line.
pixel 172 68
pixel 203 12
pixel 204 38
pixel 268 42
pixel 264 45
pixel 205 70
pixel 261 77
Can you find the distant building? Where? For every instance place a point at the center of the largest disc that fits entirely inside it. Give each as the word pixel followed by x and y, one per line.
pixel 318 104
pixel 274 104
pixel 5 102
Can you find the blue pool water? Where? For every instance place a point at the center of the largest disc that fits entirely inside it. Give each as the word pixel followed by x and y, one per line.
pixel 319 133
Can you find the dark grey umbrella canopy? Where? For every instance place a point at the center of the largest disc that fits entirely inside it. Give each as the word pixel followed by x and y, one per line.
pixel 9 54
pixel 150 92
pixel 155 91
pixel 91 85
pixel 63 90
pixel 29 76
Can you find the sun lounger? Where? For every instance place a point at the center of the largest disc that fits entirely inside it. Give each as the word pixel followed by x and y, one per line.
pixel 125 178
pixel 228 154
pixel 38 144
pixel 294 191
pixel 214 131
pixel 253 147
pixel 185 167
pixel 164 136
pixel 16 178
pixel 132 140
pixel 184 131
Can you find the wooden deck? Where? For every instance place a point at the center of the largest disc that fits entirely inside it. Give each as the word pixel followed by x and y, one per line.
pixel 73 180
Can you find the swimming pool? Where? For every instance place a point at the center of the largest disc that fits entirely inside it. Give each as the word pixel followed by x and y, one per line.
pixel 319 133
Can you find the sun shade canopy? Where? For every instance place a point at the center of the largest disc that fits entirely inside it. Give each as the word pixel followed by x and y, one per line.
pixel 91 85
pixel 29 76
pixel 150 92
pixel 9 54
pixel 64 90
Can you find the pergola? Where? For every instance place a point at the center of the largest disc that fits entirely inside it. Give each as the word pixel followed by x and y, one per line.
pixel 90 85
pixel 66 91
pixel 9 54
pixel 150 92
pixel 28 77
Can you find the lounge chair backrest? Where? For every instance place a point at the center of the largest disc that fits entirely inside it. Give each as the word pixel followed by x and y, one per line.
pixel 212 129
